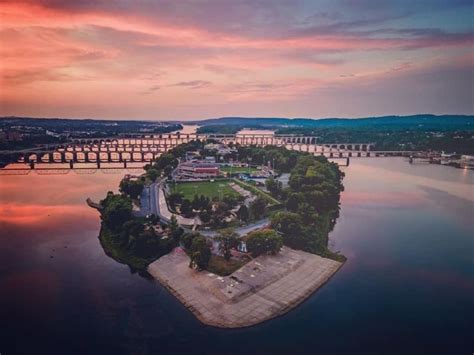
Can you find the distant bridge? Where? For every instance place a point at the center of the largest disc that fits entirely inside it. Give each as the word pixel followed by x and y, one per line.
pixel 146 148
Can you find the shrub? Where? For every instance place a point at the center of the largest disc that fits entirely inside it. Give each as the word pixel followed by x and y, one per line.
pixel 264 242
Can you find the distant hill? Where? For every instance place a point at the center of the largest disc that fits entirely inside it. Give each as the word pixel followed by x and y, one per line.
pixel 87 126
pixel 423 121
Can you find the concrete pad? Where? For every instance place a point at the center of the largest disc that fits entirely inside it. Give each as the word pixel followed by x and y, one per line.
pixel 264 288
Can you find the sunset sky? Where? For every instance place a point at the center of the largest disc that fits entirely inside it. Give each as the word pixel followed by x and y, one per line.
pixel 180 59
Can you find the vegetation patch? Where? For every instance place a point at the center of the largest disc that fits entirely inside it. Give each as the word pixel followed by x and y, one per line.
pixel 311 199
pixel 220 266
pixel 120 254
pixel 256 191
pixel 131 240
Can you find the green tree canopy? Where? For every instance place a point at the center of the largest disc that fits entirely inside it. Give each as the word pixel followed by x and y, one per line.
pixel 200 253
pixel 117 210
pixel 228 239
pixel 243 213
pixel 264 242
pixel 132 188
pixel 258 208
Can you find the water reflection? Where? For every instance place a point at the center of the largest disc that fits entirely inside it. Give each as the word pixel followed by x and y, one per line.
pixel 407 286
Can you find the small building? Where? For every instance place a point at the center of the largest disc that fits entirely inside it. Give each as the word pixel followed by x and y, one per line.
pixel 221 149
pixel 210 159
pixel 192 156
pixel 198 170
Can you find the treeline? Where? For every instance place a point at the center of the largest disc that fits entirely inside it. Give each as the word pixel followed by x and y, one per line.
pixel 132 240
pixel 424 122
pixel 282 159
pixel 312 202
pixel 451 133
pixel 311 199
pixel 88 126
pixel 135 240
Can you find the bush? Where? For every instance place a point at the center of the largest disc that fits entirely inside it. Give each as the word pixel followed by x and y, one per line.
pixel 264 242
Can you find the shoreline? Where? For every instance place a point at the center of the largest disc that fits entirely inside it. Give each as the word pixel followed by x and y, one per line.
pixel 246 297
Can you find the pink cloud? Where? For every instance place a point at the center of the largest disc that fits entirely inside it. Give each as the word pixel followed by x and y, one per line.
pixel 55 54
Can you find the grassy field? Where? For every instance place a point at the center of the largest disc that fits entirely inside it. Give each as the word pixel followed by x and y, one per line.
pixel 237 170
pixel 206 188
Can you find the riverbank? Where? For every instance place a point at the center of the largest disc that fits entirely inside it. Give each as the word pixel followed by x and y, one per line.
pixel 121 254
pixel 265 288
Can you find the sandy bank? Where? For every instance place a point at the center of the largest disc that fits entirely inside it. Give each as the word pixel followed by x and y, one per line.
pixel 264 288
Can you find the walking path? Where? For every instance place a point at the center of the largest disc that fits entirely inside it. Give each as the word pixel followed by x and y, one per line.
pixel 160 207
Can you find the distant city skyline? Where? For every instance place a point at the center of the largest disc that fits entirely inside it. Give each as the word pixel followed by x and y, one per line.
pixel 191 60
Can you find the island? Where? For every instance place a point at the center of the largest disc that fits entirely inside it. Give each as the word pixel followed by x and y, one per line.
pixel 239 234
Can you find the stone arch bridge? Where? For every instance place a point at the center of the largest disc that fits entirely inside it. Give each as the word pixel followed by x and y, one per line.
pixel 145 148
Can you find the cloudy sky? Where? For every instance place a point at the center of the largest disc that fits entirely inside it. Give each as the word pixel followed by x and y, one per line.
pixel 178 59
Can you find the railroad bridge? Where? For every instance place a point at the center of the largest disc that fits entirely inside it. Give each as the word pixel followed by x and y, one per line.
pixel 145 148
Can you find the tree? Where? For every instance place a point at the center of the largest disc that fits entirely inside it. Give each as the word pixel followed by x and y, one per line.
pixel 175 230
pixel 117 210
pixel 290 225
pixel 273 186
pixel 186 208
pixel 205 216
pixel 132 188
pixel 200 253
pixel 292 202
pixel 152 174
pixel 227 240
pixel 130 228
pixel 258 208
pixel 187 240
pixel 165 160
pixel 264 242
pixel 243 213
pixel 175 198
pixel 196 204
pixel 203 202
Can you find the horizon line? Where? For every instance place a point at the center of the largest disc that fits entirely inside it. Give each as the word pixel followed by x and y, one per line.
pixel 235 117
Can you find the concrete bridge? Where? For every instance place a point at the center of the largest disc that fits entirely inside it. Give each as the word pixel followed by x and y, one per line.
pixel 146 148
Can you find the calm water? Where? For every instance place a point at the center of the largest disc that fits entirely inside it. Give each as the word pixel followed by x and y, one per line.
pixel 407 287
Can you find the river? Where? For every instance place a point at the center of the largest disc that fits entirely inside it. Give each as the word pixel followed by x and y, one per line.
pixel 407 287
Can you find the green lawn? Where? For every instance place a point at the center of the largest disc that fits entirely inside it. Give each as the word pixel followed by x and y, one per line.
pixel 206 188
pixel 237 170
